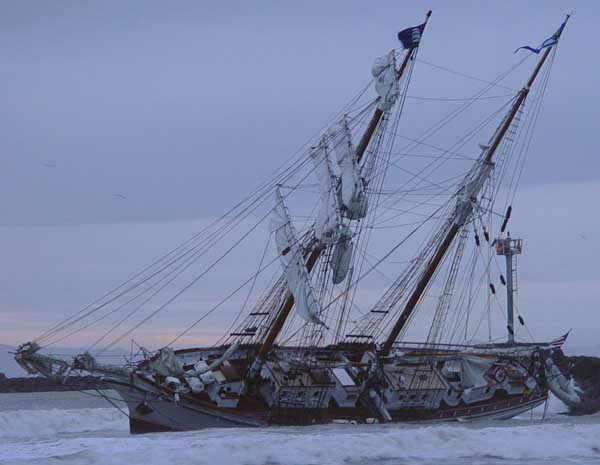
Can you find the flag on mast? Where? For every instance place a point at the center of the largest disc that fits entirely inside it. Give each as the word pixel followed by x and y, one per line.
pixel 411 37
pixel 559 342
pixel 553 39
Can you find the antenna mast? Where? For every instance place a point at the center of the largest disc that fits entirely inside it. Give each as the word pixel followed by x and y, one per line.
pixel 509 248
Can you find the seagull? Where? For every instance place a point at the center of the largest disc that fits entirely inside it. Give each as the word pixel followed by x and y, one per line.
pixel 49 164
pixel 119 196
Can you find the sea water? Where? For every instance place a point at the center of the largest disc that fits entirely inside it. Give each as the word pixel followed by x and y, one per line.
pixel 81 428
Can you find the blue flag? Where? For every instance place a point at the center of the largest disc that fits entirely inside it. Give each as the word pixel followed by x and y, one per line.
pixel 553 39
pixel 411 37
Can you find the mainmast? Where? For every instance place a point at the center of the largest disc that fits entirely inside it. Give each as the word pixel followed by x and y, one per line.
pixel 464 208
pixel 318 248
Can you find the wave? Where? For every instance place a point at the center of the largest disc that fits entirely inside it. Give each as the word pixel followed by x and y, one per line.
pixel 16 424
pixel 99 437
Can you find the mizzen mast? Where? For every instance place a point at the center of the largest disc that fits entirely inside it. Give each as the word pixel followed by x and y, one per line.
pixel 467 200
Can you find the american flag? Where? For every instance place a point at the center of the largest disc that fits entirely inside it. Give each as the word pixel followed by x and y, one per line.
pixel 558 342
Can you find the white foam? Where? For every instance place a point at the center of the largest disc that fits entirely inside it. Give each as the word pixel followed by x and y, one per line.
pixel 43 423
pixel 43 440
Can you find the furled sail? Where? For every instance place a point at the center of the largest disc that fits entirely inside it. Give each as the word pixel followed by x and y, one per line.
pixel 351 193
pixel 342 257
pixel 328 217
pixel 386 84
pixel 357 207
pixel 291 259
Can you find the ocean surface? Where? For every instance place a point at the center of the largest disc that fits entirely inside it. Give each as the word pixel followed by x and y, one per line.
pixel 80 428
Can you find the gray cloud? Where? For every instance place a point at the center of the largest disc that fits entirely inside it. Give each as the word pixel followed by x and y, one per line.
pixel 166 104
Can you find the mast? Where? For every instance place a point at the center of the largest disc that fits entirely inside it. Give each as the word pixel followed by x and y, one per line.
pixel 366 138
pixel 315 253
pixel 463 210
pixel 277 325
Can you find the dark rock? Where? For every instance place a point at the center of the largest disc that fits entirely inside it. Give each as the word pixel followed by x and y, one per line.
pixel 586 373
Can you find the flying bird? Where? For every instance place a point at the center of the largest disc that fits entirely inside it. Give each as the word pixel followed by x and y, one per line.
pixel 119 196
pixel 49 164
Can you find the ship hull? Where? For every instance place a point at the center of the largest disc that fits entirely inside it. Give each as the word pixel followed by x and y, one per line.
pixel 150 412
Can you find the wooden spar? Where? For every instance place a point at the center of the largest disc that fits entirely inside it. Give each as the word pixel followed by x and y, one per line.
pixel 513 111
pixel 366 138
pixel 311 261
pixel 432 266
pixel 277 325
pixel 421 286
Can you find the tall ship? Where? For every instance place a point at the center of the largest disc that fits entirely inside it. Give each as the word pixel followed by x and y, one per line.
pixel 362 239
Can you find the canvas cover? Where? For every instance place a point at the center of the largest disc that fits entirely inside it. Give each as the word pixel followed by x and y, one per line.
pixel 473 369
pixel 167 363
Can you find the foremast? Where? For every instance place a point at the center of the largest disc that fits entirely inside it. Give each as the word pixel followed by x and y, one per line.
pixel 318 247
pixel 466 203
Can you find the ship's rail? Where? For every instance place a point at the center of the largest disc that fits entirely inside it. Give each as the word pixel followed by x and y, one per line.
pixel 428 347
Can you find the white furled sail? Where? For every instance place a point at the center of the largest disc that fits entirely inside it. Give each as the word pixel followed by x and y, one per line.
pixel 344 154
pixel 292 261
pixel 351 193
pixel 328 218
pixel 386 83
pixel 341 257
pixel 357 207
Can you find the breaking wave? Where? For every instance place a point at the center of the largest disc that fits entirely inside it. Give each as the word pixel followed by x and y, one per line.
pixel 100 437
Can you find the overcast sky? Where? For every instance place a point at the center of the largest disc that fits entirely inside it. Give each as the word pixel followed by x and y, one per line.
pixel 181 107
